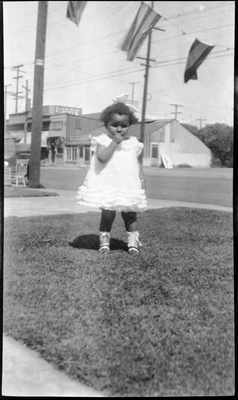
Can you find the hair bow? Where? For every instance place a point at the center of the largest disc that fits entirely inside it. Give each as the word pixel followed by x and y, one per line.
pixel 122 98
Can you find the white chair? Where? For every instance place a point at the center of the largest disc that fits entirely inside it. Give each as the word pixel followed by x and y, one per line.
pixel 18 176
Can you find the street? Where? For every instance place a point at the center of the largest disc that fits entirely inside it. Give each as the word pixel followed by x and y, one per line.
pixel 206 186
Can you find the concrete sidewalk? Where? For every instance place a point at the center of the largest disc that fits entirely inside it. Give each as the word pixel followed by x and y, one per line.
pixel 25 373
pixel 66 203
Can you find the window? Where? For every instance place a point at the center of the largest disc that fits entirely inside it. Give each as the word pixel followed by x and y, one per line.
pixel 87 153
pixel 77 123
pixel 72 153
pixel 161 135
pixel 56 125
pixel 171 134
pixel 154 151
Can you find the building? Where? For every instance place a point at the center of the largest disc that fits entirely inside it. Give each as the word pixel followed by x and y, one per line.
pixel 65 136
pixel 170 139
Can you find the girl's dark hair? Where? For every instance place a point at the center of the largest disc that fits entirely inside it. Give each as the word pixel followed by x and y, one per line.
pixel 118 108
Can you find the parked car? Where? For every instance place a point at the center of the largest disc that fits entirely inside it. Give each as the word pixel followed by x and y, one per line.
pixel 13 150
pixel 9 152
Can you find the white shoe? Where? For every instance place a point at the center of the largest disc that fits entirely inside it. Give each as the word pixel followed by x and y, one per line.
pixel 133 242
pixel 104 242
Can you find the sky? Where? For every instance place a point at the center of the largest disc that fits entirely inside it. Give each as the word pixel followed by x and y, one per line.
pixel 85 67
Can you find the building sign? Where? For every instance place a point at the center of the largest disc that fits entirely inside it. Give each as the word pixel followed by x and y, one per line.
pixel 49 110
pixel 56 125
pixel 166 161
pixel 69 110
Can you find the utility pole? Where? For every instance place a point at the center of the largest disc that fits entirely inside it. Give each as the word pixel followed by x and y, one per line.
pixel 147 65
pixel 17 68
pixel 176 107
pixel 5 106
pixel 146 76
pixel 133 84
pixel 201 119
pixel 26 109
pixel 34 178
pixel 27 103
pixel 142 132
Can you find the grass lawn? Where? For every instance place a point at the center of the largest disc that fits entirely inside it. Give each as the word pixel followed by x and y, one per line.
pixel 12 191
pixel 157 324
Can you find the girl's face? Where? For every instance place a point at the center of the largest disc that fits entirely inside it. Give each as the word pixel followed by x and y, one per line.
pixel 118 124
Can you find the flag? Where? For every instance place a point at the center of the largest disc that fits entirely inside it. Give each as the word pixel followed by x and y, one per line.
pixel 75 10
pixel 196 56
pixel 144 21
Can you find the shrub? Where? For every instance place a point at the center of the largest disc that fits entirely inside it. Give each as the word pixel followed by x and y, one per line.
pixel 184 166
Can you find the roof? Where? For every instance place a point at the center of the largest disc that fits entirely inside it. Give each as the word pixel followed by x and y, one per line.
pixel 15 134
pixel 8 135
pixel 150 126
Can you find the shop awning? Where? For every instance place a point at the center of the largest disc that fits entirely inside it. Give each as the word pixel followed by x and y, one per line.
pixel 77 141
pixel 44 137
pixel 18 135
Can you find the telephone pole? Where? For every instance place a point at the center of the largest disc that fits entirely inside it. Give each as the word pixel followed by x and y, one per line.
pixel 147 65
pixel 34 178
pixel 27 103
pixel 142 132
pixel 176 107
pixel 133 84
pixel 27 108
pixel 201 119
pixel 5 105
pixel 17 68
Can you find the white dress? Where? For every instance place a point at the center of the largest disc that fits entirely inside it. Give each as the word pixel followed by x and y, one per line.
pixel 114 185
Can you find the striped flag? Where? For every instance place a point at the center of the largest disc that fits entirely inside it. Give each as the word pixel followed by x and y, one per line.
pixel 75 10
pixel 196 56
pixel 144 21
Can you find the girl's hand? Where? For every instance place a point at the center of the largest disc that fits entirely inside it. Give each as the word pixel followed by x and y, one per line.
pixel 118 138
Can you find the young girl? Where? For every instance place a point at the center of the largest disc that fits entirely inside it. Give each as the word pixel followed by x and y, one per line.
pixel 115 181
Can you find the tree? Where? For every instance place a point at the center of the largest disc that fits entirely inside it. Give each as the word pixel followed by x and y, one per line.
pixel 218 138
pixel 192 128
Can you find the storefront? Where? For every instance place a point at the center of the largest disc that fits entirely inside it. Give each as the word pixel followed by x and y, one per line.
pixel 44 145
pixel 56 146
pixel 65 138
pixel 78 151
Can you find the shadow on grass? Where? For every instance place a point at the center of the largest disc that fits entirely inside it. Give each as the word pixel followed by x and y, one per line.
pixel 91 242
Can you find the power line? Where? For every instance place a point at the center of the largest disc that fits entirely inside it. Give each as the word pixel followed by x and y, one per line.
pixel 86 80
pixel 208 8
pixel 190 34
pixel 185 58
pixel 93 80
pixel 153 41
